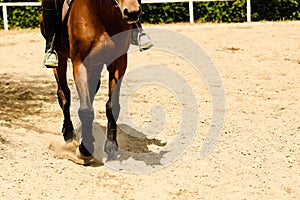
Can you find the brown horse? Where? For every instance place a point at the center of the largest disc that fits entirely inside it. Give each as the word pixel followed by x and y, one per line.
pixel 98 33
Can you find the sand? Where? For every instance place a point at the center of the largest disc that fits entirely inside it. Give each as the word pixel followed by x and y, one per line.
pixel 257 155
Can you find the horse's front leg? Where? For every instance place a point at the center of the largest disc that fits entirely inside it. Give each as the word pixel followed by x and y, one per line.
pixel 116 71
pixel 86 112
pixel 63 94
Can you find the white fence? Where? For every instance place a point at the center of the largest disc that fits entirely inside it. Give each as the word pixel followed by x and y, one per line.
pixel 5 5
pixel 191 8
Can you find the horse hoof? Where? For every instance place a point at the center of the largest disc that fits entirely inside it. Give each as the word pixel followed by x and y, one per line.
pixel 83 157
pixel 112 156
pixel 68 132
pixel 69 136
pixel 112 150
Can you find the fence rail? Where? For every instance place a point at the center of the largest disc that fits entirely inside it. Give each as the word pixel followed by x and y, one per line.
pixel 5 5
pixel 191 8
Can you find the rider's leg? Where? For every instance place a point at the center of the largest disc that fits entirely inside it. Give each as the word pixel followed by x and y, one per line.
pixel 140 37
pixel 50 25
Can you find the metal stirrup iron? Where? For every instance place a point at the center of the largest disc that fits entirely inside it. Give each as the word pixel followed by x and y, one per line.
pixel 50 52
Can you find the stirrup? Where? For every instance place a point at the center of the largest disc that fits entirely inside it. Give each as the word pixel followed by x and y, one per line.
pixel 144 41
pixel 51 59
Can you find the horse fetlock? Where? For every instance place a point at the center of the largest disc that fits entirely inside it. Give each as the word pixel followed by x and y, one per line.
pixel 112 111
pixel 112 149
pixel 86 148
pixel 69 136
pixel 68 131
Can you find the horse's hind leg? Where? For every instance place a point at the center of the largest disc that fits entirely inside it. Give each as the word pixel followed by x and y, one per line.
pixel 116 71
pixel 64 97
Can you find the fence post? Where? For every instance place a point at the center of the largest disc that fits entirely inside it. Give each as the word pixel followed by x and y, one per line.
pixel 4 9
pixel 248 10
pixel 191 9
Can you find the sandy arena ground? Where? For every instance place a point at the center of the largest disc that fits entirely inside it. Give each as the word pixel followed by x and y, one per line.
pixel 256 157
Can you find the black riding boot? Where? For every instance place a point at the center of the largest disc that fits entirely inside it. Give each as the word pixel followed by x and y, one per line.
pixel 50 18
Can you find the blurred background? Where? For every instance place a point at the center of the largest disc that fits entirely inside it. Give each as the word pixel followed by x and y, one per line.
pixel 171 12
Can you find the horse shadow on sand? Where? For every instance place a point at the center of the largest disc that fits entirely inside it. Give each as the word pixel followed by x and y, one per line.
pixel 133 148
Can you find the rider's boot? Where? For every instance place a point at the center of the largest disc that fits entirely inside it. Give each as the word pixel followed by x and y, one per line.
pixel 140 37
pixel 50 23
